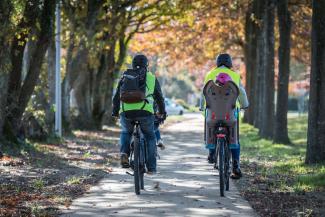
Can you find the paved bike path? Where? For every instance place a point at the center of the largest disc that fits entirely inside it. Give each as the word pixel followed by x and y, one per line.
pixel 185 186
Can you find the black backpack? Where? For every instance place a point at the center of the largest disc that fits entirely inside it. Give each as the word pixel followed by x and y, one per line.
pixel 133 86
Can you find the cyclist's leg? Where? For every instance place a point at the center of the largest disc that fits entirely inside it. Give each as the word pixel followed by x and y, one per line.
pixel 236 155
pixel 211 157
pixel 126 134
pixel 234 144
pixel 147 127
pixel 157 132
pixel 209 140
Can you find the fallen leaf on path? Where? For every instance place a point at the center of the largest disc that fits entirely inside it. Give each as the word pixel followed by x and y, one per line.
pixel 110 169
pixel 156 186
pixel 5 158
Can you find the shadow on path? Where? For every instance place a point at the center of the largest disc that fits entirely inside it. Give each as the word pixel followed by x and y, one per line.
pixel 185 186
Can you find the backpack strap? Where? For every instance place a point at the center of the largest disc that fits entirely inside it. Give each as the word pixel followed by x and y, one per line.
pixel 123 110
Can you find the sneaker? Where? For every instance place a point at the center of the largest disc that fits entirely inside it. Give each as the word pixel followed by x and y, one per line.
pixel 124 161
pixel 151 172
pixel 161 144
pixel 211 159
pixel 236 173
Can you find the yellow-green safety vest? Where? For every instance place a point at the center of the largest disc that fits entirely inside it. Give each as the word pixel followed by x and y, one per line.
pixel 212 75
pixel 146 105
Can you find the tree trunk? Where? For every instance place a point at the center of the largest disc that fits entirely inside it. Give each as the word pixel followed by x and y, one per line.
pixel 261 6
pixel 78 64
pixel 281 121
pixel 46 25
pixel 66 85
pixel 4 72
pixel 100 89
pixel 267 106
pixel 316 114
pixel 5 64
pixel 83 100
pixel 250 62
pixel 50 115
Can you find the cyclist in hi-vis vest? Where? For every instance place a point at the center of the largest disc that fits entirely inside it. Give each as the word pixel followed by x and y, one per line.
pixel 142 112
pixel 224 65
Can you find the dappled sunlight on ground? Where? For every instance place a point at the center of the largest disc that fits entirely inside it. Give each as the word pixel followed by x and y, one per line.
pixel 186 185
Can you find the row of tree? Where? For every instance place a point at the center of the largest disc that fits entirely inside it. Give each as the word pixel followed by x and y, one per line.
pixel 182 35
pixel 272 122
pixel 256 30
pixel 95 36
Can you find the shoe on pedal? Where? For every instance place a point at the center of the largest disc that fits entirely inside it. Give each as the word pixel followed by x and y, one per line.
pixel 161 144
pixel 236 172
pixel 125 161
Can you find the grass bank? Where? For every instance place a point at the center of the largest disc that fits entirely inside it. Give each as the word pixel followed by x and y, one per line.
pixel 276 181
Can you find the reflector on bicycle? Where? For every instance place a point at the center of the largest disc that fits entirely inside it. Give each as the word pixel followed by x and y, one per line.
pixel 213 115
pixel 227 116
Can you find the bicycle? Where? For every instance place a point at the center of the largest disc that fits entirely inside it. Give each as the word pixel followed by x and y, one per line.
pixel 222 157
pixel 219 126
pixel 138 157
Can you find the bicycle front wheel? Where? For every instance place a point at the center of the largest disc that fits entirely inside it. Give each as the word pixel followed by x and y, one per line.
pixel 137 169
pixel 222 171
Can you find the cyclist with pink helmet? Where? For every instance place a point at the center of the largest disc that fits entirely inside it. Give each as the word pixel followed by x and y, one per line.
pixel 222 74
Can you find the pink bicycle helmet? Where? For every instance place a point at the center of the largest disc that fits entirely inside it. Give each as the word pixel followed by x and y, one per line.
pixel 223 78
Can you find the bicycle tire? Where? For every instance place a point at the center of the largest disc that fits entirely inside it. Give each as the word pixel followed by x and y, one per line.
pixel 216 153
pixel 227 166
pixel 142 165
pixel 137 181
pixel 221 167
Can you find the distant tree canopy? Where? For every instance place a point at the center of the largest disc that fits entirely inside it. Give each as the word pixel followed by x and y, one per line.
pixel 207 28
pixel 95 37
pixel 246 29
pixel 177 35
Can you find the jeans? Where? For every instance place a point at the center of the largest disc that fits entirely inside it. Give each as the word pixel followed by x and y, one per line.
pixel 234 152
pixel 157 132
pixel 147 128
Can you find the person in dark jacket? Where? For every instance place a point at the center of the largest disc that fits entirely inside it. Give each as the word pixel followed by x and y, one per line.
pixel 144 113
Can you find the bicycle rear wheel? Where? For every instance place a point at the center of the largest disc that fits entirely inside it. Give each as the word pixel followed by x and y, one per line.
pixel 227 166
pixel 222 171
pixel 142 163
pixel 137 169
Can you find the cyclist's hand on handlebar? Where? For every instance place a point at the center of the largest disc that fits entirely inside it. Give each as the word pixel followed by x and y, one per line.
pixel 162 116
